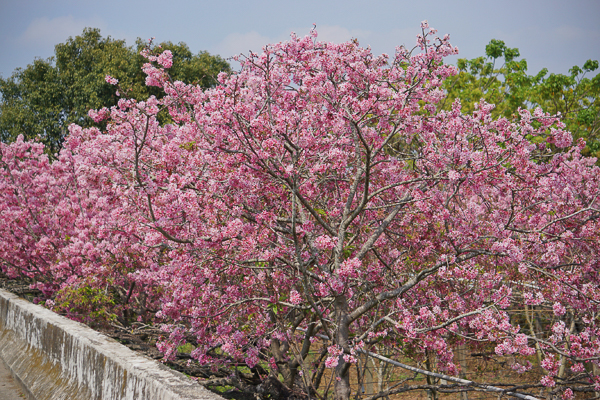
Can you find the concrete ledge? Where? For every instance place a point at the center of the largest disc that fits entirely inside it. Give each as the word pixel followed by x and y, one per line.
pixel 53 358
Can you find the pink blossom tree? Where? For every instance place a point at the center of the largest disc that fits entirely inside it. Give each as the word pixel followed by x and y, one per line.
pixel 316 201
pixel 56 231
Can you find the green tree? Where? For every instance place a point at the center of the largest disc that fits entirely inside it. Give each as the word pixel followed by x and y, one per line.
pixel 43 99
pixel 577 98
pixel 31 104
pixel 501 78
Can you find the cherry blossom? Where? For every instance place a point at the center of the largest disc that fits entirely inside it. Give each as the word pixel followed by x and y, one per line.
pixel 317 198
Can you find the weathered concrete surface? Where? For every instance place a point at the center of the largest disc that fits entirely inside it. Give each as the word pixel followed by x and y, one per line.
pixel 9 390
pixel 54 358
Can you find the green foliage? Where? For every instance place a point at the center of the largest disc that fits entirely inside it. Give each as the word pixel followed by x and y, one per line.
pixel 509 86
pixel 86 303
pixel 186 348
pixel 43 99
pixel 31 104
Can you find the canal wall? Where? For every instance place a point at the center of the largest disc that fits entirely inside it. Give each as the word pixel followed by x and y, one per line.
pixel 52 358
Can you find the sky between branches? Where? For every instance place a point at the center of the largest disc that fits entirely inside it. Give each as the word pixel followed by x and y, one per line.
pixel 556 34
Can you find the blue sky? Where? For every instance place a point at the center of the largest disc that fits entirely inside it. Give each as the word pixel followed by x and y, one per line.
pixel 550 33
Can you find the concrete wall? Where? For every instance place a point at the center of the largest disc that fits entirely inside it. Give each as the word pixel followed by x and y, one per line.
pixel 53 358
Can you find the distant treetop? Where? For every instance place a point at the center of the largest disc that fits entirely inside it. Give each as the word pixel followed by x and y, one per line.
pixel 44 98
pixel 576 97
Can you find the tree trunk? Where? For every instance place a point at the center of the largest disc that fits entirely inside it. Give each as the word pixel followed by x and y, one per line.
pixel 431 393
pixel 342 371
pixel 282 365
pixel 367 375
pixel 382 370
pixel 462 360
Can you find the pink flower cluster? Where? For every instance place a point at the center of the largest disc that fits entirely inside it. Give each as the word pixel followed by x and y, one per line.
pixel 317 188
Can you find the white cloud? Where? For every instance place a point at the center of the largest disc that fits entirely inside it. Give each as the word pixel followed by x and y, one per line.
pixel 236 43
pixel 48 32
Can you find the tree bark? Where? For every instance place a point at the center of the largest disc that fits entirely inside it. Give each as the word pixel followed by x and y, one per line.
pixel 462 360
pixel 342 371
